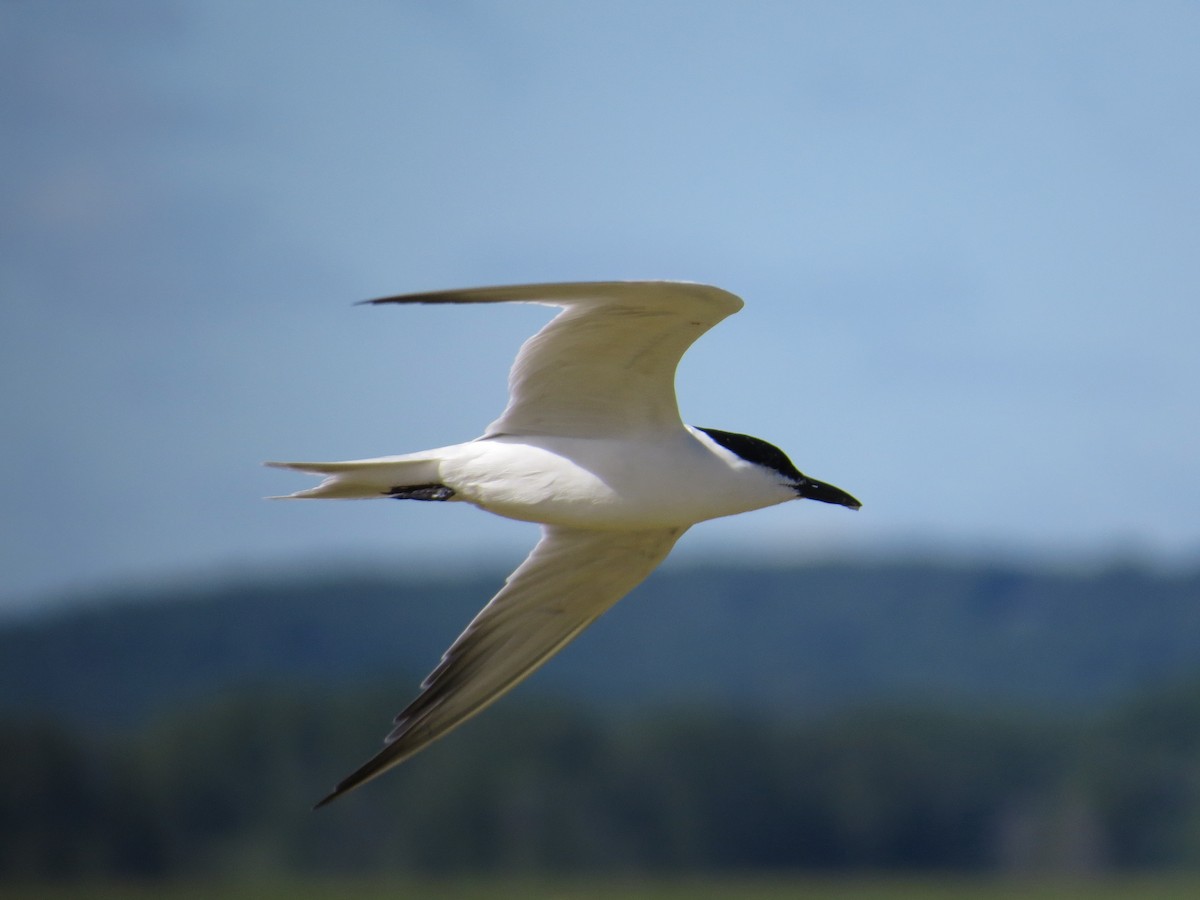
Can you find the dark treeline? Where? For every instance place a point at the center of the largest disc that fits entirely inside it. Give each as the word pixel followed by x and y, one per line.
pixel 225 790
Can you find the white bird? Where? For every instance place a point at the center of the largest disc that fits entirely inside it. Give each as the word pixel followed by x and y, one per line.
pixel 590 446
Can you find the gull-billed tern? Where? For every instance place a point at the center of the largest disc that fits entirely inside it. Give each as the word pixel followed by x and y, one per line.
pixel 591 447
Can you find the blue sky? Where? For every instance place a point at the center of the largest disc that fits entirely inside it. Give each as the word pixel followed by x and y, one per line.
pixel 966 234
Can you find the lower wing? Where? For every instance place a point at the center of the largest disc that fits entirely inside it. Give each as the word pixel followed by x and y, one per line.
pixel 571 577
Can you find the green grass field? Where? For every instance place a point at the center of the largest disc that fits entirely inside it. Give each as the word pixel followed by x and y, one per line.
pixel 747 888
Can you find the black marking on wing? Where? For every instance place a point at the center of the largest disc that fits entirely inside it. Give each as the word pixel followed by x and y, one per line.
pixel 757 451
pixel 420 492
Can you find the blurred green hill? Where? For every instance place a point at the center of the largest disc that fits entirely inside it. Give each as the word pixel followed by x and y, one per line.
pixel 787 640
pixel 825 718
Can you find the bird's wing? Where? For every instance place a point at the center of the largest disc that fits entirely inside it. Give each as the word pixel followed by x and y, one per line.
pixel 571 577
pixel 604 366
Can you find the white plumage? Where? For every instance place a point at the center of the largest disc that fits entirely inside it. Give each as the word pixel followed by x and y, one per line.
pixel 591 445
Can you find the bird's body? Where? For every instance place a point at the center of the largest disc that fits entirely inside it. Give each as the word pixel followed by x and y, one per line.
pixel 591 446
pixel 657 481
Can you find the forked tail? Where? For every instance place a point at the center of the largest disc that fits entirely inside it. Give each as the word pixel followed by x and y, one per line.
pixel 361 479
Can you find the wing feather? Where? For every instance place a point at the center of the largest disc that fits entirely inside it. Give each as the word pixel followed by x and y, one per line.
pixel 570 578
pixel 604 366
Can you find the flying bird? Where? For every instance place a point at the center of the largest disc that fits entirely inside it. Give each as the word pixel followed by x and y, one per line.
pixel 590 446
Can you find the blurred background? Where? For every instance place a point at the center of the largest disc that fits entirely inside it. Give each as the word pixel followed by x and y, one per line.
pixel 966 235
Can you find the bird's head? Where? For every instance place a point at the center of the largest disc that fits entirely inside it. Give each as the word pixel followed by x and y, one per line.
pixel 758 451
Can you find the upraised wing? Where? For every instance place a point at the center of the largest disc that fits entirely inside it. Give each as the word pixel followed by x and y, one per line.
pixel 604 366
pixel 570 578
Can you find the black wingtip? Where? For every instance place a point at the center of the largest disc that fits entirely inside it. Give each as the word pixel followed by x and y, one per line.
pixel 326 800
pixel 404 298
pixel 397 298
